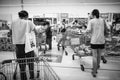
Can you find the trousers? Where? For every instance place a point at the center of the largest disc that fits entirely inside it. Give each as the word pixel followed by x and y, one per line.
pixel 20 53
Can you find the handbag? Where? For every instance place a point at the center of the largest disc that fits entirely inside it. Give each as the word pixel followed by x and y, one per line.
pixel 30 40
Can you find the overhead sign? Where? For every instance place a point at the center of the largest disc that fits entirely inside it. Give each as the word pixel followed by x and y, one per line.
pixel 64 15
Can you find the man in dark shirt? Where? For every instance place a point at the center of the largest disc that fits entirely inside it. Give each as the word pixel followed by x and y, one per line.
pixel 48 35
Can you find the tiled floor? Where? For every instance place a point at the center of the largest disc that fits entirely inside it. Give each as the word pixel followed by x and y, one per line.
pixel 70 69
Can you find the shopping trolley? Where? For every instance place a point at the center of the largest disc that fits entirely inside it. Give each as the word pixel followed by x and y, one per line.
pixel 41 42
pixel 80 44
pixel 9 69
pixel 77 43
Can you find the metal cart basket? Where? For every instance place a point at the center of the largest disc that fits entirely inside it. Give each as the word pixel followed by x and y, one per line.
pixel 9 69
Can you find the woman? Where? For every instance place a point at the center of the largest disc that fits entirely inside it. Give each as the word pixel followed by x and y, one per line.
pixel 96 27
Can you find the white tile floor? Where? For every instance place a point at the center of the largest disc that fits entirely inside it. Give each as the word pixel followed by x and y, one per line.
pixel 69 69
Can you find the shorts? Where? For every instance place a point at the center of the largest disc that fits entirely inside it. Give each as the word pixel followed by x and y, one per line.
pixel 97 46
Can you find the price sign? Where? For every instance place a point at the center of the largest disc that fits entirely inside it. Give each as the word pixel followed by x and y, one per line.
pixel 4 33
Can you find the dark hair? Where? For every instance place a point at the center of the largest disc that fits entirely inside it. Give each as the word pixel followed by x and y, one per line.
pixel 46 23
pixel 96 13
pixel 23 14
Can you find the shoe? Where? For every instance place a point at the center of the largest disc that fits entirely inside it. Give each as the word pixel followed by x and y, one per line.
pixel 93 74
pixel 103 59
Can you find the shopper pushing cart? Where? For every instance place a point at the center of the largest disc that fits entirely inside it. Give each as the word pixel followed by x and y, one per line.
pixel 97 28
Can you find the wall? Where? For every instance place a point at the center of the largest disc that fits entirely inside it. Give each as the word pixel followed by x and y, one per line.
pixel 74 9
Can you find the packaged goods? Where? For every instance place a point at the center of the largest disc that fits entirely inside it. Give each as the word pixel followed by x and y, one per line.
pixel 3 47
pixel 4 33
pixel 2 40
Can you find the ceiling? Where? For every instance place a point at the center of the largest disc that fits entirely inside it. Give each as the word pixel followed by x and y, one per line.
pixel 7 2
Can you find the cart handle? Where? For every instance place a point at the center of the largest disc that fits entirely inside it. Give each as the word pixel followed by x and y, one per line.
pixel 6 61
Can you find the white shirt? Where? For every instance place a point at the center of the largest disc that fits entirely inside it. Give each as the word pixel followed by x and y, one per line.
pixel 96 27
pixel 19 27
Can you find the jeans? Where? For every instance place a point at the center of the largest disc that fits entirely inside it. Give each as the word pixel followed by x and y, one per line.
pixel 20 53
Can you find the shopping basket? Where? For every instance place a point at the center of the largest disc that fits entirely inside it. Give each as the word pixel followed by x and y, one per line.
pixel 9 69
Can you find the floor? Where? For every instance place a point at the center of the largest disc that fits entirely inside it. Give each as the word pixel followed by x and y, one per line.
pixel 70 69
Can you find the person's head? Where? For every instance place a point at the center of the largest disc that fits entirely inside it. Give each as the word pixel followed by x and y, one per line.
pixel 23 14
pixel 46 24
pixel 95 13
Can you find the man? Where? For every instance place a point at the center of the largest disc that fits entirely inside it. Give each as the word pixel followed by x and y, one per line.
pixel 48 35
pixel 19 27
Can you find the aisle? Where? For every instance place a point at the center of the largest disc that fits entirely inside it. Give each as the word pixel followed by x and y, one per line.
pixel 69 69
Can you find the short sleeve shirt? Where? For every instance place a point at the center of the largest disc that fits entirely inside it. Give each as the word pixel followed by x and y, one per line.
pixel 96 27
pixel 19 27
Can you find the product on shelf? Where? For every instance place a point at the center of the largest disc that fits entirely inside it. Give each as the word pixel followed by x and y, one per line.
pixel 9 40
pixel 3 40
pixel 10 47
pixel 3 47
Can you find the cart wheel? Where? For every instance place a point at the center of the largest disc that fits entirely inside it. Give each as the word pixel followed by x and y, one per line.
pixel 2 76
pixel 82 68
pixel 66 53
pixel 73 57
pixel 103 59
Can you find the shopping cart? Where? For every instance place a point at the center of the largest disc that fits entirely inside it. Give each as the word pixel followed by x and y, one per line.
pixel 80 44
pixel 41 42
pixel 9 69
pixel 77 43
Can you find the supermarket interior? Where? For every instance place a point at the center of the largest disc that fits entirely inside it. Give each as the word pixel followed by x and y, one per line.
pixel 63 50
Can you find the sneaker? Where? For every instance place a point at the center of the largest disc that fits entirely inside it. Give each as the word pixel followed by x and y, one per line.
pixel 93 74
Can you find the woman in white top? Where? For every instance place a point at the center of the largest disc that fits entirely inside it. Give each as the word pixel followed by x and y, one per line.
pixel 96 27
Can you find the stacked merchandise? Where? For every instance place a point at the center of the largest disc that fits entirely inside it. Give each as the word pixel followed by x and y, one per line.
pixel 5 37
pixel 113 42
pixel 113 46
